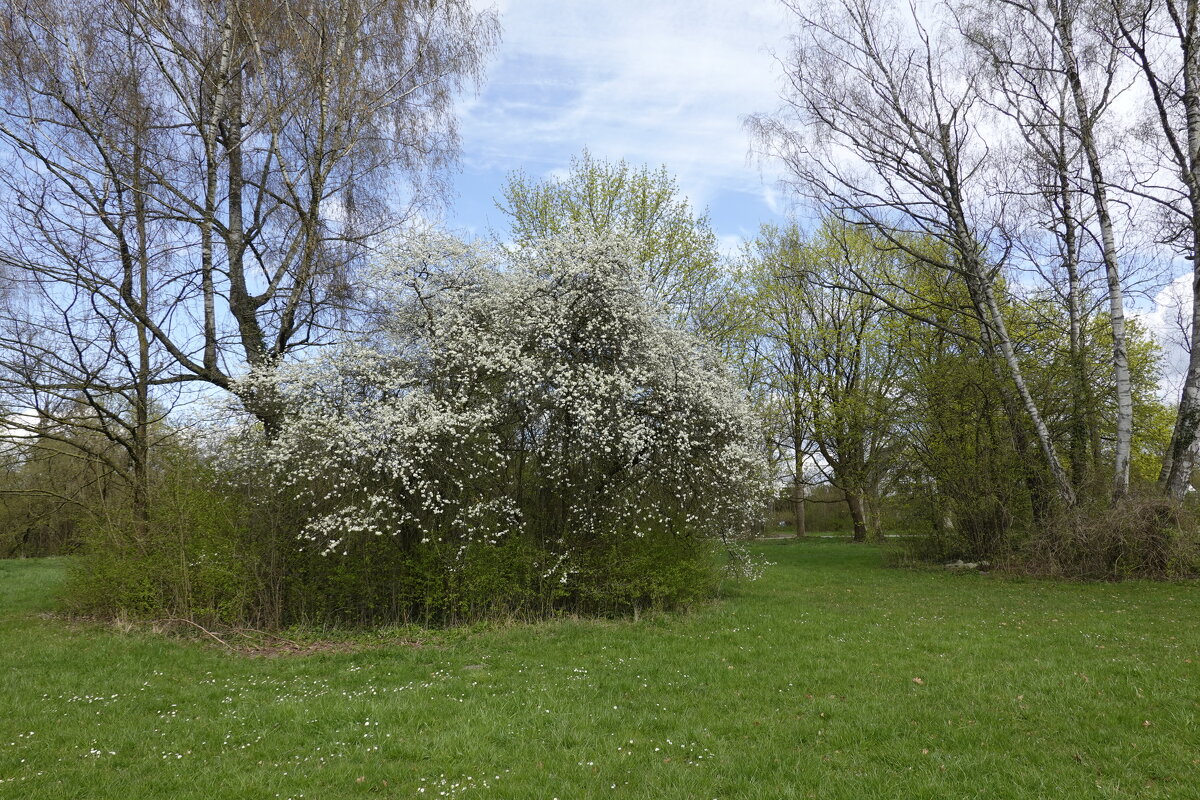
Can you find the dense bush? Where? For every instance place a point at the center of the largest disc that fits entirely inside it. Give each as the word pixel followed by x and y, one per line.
pixel 1139 537
pixel 193 557
pixel 1142 536
pixel 520 437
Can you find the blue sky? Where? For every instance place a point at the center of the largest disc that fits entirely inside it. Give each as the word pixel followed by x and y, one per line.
pixel 653 82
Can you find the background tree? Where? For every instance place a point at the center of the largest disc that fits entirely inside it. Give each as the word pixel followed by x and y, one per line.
pixel 882 124
pixel 961 470
pixel 76 381
pixel 676 249
pixel 834 364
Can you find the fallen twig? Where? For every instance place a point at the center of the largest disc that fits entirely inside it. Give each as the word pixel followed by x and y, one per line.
pixel 201 628
pixel 248 631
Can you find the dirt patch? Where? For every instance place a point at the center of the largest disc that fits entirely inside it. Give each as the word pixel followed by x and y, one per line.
pixel 284 650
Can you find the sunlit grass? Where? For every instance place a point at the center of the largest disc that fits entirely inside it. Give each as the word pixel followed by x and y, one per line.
pixel 833 677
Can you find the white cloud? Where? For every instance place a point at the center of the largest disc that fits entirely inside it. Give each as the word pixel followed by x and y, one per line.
pixel 660 83
pixel 773 198
pixel 1168 321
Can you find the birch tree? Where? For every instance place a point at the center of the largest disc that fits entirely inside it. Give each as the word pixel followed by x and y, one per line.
pixel 881 123
pixel 1056 78
pixel 215 172
pixel 1162 39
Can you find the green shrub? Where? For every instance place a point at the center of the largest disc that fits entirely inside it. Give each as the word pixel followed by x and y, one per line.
pixel 191 557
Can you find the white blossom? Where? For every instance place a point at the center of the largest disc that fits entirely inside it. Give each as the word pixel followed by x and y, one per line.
pixel 538 394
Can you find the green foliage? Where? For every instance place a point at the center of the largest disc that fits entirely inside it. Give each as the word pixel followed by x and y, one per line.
pixel 832 361
pixel 674 248
pixel 658 571
pixel 192 558
pixel 975 483
pixel 378 582
pixel 68 465
pixel 1078 400
pixel 1152 425
pixel 964 484
pixel 49 487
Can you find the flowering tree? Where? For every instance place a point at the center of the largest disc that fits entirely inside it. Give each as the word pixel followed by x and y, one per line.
pixel 536 402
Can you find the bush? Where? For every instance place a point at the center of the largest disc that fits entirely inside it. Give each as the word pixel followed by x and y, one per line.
pixel 523 437
pixel 192 558
pixel 1140 537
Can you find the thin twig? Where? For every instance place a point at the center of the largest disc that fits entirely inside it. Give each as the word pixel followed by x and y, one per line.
pixel 201 628
pixel 247 631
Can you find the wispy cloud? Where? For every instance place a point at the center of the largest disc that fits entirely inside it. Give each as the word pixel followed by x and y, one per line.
pixel 1167 320
pixel 657 83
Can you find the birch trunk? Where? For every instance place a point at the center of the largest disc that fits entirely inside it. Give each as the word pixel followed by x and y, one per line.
pixel 1123 447
pixel 1079 389
pixel 1177 469
pixel 798 502
pixel 1061 481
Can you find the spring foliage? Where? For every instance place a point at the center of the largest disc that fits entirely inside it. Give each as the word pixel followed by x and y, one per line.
pixel 520 430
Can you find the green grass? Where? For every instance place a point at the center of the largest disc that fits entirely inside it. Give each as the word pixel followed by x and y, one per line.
pixel 799 685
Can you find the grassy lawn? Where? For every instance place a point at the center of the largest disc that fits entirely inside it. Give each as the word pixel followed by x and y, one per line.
pixel 832 677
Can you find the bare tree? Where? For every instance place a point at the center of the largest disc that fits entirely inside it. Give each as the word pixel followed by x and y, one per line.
pixel 881 122
pixel 77 364
pixel 1162 38
pixel 75 386
pixel 211 173
pixel 1056 78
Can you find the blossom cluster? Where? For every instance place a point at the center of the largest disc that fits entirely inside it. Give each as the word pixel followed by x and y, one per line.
pixel 540 393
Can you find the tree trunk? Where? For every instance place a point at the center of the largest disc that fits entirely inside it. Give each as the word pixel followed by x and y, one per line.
pixel 1034 484
pixel 1123 447
pixel 995 321
pixel 798 492
pixel 1078 451
pixel 1176 476
pixel 141 404
pixel 858 514
pixel 983 296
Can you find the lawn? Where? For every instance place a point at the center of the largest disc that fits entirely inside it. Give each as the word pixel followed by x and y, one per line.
pixel 832 677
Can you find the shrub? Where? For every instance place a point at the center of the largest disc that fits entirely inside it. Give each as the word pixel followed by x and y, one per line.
pixel 191 558
pixel 527 435
pixel 1140 537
